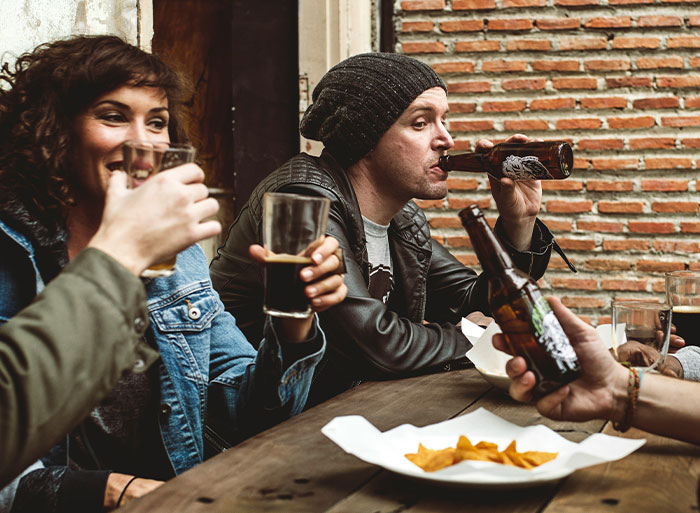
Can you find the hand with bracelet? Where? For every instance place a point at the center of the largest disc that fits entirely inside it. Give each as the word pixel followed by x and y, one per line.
pixel 122 488
pixel 608 390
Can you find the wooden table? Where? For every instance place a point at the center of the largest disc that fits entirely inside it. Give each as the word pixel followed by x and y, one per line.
pixel 293 467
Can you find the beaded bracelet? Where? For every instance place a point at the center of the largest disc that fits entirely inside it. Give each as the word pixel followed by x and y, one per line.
pixel 632 396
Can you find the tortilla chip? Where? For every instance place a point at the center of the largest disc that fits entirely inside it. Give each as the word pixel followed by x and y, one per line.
pixel 431 460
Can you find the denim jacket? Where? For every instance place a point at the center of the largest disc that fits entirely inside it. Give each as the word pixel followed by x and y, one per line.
pixel 202 349
pixel 209 372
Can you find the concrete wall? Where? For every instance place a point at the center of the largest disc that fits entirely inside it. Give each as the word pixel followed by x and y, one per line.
pixel 24 24
pixel 328 33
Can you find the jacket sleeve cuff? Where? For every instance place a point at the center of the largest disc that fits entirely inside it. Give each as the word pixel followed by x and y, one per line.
pixel 83 490
pixel 689 357
pixel 535 260
pixel 294 369
pixel 288 353
pixel 61 490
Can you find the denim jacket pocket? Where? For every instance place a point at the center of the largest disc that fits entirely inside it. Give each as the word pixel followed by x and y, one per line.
pixel 186 310
pixel 182 321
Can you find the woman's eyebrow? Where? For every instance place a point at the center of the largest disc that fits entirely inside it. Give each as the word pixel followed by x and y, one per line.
pixel 126 107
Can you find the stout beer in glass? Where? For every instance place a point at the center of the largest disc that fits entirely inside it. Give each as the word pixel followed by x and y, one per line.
pixel 293 226
pixel 683 294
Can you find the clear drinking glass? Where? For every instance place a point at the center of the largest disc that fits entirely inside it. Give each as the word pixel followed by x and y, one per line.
pixel 638 323
pixel 143 159
pixel 683 294
pixel 293 226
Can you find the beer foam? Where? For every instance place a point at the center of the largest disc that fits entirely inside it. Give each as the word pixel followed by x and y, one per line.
pixel 687 308
pixel 286 258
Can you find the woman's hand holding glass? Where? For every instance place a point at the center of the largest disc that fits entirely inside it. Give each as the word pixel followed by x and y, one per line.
pixel 326 286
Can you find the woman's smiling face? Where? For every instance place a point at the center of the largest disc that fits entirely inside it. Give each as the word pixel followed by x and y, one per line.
pixel 120 115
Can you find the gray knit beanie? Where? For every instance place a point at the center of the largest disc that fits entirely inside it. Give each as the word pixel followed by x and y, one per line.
pixel 358 99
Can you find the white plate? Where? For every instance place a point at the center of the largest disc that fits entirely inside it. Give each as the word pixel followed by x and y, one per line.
pixel 455 476
pixel 500 381
pixel 356 436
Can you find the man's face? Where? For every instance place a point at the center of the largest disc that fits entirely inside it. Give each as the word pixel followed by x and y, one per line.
pixel 404 164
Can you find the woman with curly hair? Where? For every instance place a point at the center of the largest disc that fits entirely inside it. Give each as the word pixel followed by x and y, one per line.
pixel 65 111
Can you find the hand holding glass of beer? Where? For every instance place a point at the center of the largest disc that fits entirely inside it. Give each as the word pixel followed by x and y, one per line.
pixel 683 294
pixel 641 331
pixel 143 159
pixel 293 226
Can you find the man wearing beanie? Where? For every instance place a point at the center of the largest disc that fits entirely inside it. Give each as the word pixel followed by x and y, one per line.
pixel 381 117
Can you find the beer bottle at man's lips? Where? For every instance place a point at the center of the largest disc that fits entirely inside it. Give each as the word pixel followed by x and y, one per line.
pixel 529 325
pixel 551 160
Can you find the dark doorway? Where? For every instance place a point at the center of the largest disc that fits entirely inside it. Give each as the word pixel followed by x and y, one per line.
pixel 242 59
pixel 386 26
pixel 194 37
pixel 265 89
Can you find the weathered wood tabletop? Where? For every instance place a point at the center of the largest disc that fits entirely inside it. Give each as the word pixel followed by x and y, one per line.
pixel 293 467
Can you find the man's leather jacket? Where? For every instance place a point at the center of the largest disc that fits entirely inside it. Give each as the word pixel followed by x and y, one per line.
pixel 366 339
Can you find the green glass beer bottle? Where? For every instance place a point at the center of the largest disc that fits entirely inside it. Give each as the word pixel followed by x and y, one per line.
pixel 550 160
pixel 523 314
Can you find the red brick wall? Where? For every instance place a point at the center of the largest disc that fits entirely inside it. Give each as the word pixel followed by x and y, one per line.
pixel 620 80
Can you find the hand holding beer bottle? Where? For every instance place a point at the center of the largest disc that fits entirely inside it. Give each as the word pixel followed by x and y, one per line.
pixel 585 398
pixel 523 314
pixel 518 202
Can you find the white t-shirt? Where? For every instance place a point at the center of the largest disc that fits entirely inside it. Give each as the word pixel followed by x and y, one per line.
pixel 381 276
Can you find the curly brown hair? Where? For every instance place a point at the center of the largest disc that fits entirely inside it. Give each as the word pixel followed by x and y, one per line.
pixel 48 88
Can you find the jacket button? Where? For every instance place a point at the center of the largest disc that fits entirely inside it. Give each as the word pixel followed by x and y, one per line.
pixel 421 257
pixel 165 409
pixel 194 313
pixel 139 366
pixel 140 325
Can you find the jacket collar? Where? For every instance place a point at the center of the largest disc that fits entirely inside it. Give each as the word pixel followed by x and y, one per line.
pixel 340 178
pixel 408 223
pixel 345 192
pixel 49 244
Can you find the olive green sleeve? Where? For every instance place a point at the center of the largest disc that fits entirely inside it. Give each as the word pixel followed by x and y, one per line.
pixel 63 353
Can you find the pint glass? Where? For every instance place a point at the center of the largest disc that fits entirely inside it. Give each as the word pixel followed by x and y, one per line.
pixel 683 294
pixel 293 226
pixel 143 159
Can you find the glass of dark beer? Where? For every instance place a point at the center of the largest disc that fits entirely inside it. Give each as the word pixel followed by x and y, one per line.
pixel 293 226
pixel 637 323
pixel 143 159
pixel 683 294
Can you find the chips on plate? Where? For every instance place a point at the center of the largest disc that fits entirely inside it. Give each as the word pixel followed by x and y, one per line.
pixel 431 460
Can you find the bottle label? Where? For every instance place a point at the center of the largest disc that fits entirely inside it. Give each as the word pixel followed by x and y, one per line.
pixel 525 168
pixel 550 333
